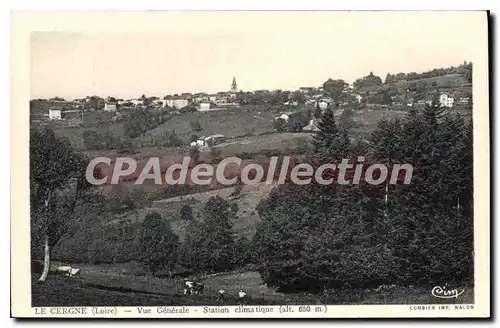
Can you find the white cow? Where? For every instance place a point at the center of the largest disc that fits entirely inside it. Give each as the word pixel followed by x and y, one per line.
pixel 188 287
pixel 67 270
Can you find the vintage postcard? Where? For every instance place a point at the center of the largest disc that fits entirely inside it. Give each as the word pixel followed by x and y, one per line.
pixel 299 164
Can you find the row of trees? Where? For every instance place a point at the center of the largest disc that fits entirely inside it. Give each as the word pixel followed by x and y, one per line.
pixel 142 120
pixel 265 97
pixel 62 204
pixel 209 245
pixel 95 140
pixel 464 69
pixel 314 237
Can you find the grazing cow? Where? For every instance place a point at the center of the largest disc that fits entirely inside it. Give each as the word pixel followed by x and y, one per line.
pixel 188 287
pixel 198 288
pixel 67 270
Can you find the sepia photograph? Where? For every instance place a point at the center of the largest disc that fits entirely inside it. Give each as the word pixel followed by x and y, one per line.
pixel 252 164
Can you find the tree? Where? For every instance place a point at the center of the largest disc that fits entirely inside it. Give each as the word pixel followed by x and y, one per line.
pixel 54 167
pixel 346 121
pixel 95 103
pixel 298 97
pixel 119 199
pixel 279 124
pixel 317 111
pixel 93 140
pixel 314 237
pixel 335 89
pixel 213 244
pixel 368 81
pixel 195 126
pixel 387 99
pixel 186 213
pixel 158 245
pixel 297 121
pixel 172 140
pixel 330 143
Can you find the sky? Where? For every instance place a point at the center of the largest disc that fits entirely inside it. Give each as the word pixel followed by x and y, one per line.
pixel 127 55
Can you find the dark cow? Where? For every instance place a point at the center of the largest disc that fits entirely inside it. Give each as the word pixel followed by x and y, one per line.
pixel 198 288
pixel 193 288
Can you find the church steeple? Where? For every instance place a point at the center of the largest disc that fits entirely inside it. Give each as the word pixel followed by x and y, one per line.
pixel 234 86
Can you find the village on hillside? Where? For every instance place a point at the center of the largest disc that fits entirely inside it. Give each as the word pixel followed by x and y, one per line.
pixel 449 87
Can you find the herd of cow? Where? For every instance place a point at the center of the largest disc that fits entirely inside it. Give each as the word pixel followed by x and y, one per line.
pixel 190 287
pixel 196 288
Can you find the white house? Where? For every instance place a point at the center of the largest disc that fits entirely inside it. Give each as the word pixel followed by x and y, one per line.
pixel 200 97
pixel 221 101
pixel 445 100
pixel 177 103
pixel 204 107
pixel 55 114
pixel 136 102
pixel 209 141
pixel 110 107
pixel 322 104
pixel 464 100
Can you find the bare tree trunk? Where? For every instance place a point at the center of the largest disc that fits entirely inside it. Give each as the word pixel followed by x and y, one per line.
pixel 46 261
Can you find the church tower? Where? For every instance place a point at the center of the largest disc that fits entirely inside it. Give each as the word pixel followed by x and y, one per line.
pixel 234 86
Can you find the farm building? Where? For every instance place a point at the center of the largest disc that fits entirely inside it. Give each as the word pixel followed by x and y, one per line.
pixel 446 100
pixel 464 100
pixel 204 107
pixel 136 102
pixel 200 97
pixel 110 107
pixel 55 114
pixel 209 141
pixel 177 103
pixel 322 104
pixel 307 90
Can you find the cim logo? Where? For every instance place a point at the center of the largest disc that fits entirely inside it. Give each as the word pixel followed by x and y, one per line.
pixel 442 292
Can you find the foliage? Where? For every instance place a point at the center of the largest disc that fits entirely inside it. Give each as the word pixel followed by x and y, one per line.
pixel 211 245
pixel 297 121
pixel 195 126
pixel 346 120
pixel 94 102
pixel 330 143
pixel 315 237
pixel 465 69
pixel 142 120
pixel 335 89
pixel 368 81
pixel 186 213
pixel 279 124
pixel 158 245
pixel 56 178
